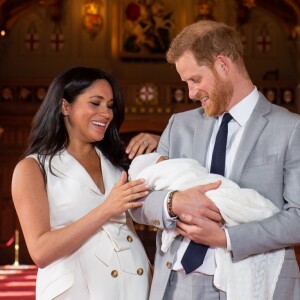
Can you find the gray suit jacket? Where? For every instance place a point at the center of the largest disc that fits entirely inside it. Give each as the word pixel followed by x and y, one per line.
pixel 267 160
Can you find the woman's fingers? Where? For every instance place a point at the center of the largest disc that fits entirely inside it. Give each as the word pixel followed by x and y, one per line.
pixel 136 189
pixel 123 179
pixel 142 143
pixel 130 191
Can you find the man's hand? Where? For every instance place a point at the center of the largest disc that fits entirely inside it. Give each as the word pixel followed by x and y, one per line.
pixel 194 202
pixel 199 218
pixel 202 231
pixel 142 143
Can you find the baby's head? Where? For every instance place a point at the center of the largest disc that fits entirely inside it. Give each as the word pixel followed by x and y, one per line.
pixel 143 161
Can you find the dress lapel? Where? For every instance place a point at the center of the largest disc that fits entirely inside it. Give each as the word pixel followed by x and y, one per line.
pixel 111 175
pixel 66 165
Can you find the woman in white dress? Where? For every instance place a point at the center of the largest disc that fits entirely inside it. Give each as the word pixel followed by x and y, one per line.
pixel 71 194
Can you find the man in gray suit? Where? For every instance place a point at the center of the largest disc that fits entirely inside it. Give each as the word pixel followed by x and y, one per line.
pixel 262 153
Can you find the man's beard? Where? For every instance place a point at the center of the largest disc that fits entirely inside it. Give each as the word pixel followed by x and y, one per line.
pixel 219 97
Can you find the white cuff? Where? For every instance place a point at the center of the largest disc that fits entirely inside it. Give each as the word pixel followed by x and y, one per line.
pixel 227 239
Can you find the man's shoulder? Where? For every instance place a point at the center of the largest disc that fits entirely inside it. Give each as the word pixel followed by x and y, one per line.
pixel 283 113
pixel 188 114
pixel 274 110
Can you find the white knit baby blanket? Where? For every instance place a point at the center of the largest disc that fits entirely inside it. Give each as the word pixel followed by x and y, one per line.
pixel 253 278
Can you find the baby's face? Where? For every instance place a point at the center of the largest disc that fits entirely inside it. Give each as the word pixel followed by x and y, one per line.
pixel 161 159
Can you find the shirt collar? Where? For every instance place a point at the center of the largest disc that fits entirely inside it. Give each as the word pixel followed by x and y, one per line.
pixel 242 111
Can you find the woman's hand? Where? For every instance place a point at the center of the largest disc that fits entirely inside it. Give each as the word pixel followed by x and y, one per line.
pixel 142 143
pixel 124 195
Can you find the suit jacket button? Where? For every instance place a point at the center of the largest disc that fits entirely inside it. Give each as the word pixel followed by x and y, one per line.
pixel 129 238
pixel 114 273
pixel 140 271
pixel 155 222
pixel 169 265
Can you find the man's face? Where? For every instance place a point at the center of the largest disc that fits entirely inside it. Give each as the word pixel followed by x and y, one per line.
pixel 205 84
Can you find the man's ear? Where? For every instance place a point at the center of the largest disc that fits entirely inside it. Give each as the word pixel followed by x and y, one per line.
pixel 222 64
pixel 65 107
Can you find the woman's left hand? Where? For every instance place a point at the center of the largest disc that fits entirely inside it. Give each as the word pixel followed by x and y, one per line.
pixel 142 143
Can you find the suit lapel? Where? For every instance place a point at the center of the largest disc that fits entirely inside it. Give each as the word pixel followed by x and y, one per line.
pixel 252 132
pixel 202 137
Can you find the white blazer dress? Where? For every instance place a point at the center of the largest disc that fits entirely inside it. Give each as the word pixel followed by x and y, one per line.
pixel 112 264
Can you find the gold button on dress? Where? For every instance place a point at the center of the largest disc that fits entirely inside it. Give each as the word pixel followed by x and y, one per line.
pixel 114 273
pixel 140 271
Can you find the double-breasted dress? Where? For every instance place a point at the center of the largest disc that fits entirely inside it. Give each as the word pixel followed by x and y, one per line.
pixel 111 264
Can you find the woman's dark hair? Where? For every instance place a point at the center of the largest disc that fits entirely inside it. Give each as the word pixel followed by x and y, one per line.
pixel 49 135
